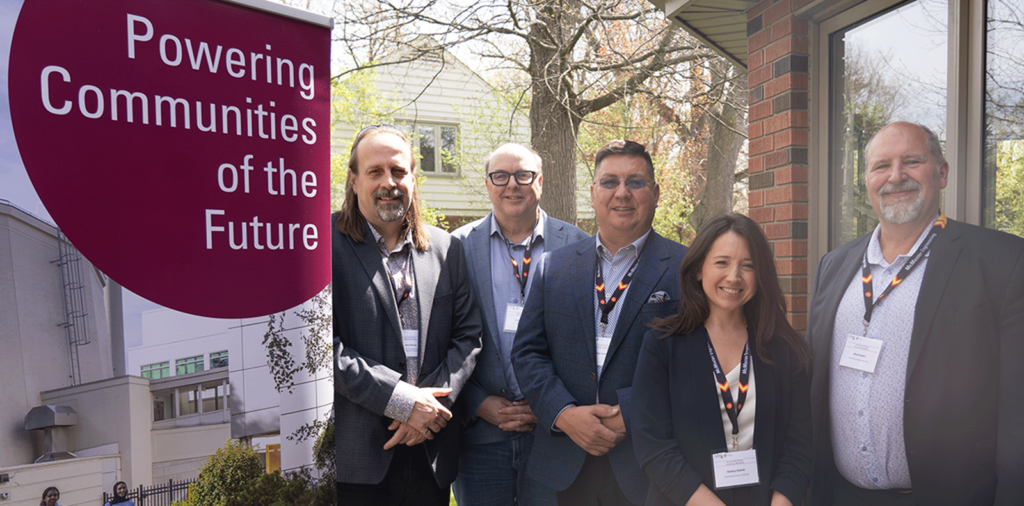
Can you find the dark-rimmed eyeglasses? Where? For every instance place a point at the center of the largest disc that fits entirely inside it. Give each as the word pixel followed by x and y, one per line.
pixel 523 177
pixel 631 184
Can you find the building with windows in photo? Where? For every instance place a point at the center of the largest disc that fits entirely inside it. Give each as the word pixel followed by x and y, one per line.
pixel 72 414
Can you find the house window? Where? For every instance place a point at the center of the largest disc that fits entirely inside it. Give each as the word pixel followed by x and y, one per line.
pixel 1003 168
pixel 218 359
pixel 163 405
pixel 875 79
pixel 188 401
pixel 188 365
pixel 156 371
pixel 437 148
pixel 215 397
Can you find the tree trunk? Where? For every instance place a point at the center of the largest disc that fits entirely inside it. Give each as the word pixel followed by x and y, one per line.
pixel 724 145
pixel 554 125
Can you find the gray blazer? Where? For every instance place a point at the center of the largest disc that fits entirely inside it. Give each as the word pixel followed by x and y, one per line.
pixel 555 353
pixel 963 419
pixel 489 377
pixel 370 359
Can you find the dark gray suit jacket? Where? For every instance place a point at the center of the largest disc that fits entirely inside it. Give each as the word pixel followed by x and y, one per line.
pixel 489 377
pixel 370 359
pixel 555 353
pixel 963 418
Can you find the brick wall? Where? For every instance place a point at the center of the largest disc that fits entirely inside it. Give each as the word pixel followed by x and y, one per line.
pixel 777 76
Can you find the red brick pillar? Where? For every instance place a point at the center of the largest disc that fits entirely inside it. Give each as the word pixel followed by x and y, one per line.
pixel 777 77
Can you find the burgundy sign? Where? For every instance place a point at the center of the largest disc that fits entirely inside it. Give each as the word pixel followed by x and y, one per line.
pixel 182 147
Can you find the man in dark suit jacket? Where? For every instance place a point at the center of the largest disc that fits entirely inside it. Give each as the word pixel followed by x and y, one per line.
pixel 578 341
pixel 406 333
pixel 937 420
pixel 502 250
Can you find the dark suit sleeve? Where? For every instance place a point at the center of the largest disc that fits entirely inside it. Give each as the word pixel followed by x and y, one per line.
pixel 473 396
pixel 793 473
pixel 656 447
pixel 363 381
pixel 532 363
pixel 466 329
pixel 1010 428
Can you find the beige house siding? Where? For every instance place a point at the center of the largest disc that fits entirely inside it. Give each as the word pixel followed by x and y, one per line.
pixel 443 91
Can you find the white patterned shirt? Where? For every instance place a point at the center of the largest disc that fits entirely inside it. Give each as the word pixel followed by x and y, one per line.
pixel 867 409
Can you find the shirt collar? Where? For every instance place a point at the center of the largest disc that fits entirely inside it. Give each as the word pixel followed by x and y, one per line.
pixel 637 245
pixel 538 229
pixel 382 243
pixel 874 252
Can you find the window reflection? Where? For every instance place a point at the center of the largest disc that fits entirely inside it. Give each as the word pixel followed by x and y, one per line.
pixel 891 67
pixel 1003 176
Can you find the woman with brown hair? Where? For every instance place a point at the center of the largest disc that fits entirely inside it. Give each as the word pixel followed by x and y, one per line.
pixel 50 497
pixel 705 432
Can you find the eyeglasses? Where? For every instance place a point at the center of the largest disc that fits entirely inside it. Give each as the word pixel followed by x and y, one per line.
pixel 523 177
pixel 631 184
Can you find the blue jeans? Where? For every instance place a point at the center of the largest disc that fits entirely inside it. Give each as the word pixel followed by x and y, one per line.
pixel 494 474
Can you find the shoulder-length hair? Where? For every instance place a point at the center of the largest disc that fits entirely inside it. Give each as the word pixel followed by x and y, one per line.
pixel 42 502
pixel 351 222
pixel 765 311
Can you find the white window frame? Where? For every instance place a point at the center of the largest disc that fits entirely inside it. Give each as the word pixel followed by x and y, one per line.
pixel 964 118
pixel 413 128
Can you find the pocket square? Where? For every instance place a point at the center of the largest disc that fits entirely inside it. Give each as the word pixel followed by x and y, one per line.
pixel 658 296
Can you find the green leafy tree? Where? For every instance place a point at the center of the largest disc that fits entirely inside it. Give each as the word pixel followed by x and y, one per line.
pixel 226 474
pixel 1009 204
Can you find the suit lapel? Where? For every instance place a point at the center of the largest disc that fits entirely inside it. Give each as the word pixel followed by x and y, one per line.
pixel 943 255
pixel 833 295
pixel 373 263
pixel 702 377
pixel 426 271
pixel 479 240
pixel 652 267
pixel 585 270
pixel 764 417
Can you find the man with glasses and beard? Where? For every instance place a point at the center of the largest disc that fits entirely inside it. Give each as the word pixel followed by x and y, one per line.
pixel 576 349
pixel 406 333
pixel 917 331
pixel 504 250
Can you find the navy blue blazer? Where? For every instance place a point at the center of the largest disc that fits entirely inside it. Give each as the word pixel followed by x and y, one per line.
pixel 677 421
pixel 555 355
pixel 489 375
pixel 963 414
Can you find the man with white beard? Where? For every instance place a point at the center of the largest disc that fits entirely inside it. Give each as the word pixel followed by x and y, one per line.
pixel 917 331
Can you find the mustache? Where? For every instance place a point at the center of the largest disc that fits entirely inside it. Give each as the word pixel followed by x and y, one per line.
pixel 908 185
pixel 383 193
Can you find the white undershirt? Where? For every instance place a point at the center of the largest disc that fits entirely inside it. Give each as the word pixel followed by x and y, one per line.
pixel 746 418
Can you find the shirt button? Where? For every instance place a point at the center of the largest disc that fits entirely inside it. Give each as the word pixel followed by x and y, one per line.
pixel 874 479
pixel 504 391
pixel 863 448
pixel 860 412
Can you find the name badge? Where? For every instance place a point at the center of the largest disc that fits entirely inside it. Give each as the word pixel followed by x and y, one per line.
pixel 513 312
pixel 735 469
pixel 861 353
pixel 602 348
pixel 411 341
